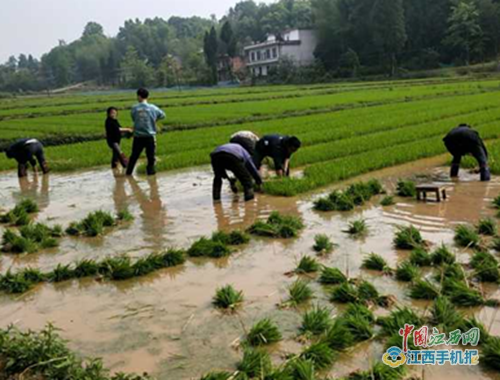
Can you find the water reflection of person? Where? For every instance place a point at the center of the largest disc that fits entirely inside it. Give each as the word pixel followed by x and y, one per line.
pixel 36 189
pixel 120 197
pixel 154 215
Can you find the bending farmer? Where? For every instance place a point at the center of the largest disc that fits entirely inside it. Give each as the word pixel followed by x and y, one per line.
pixel 246 139
pixel 463 140
pixel 25 151
pixel 280 149
pixel 114 133
pixel 234 158
pixel 145 116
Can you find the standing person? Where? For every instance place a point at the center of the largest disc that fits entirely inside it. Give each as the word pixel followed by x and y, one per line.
pixel 463 140
pixel 114 133
pixel 246 139
pixel 234 158
pixel 26 151
pixel 145 116
pixel 280 149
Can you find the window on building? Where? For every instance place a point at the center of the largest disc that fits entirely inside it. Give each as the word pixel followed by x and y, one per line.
pixel 275 53
pixel 252 59
pixel 268 54
pixel 259 56
pixel 260 70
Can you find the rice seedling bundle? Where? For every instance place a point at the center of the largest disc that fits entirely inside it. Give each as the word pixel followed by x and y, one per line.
pixel 379 371
pixel 406 189
pixel 217 376
pixel 485 267
pixel 338 337
pixel 408 238
pixel 398 318
pixel 20 214
pixel 320 354
pixel 278 226
pixel 204 247
pixel 375 262
pixel 487 227
pixel 307 265
pixel 299 292
pixel 490 354
pixel 445 315
pixel 31 238
pixel 316 321
pixel 454 271
pixel 423 290
pixel 461 294
pixel 443 255
pixel 387 201
pixel 332 276
pixel 263 333
pixel 227 298
pixel 94 224
pixel 466 236
pixel 297 369
pixel 355 195
pixel 420 257
pixel 407 272
pixel 344 293
pixel 255 364
pixel 323 244
pixel 360 328
pixel 357 228
pixel 233 238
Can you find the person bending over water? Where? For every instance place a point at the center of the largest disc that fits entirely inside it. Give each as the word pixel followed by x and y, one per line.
pixel 26 151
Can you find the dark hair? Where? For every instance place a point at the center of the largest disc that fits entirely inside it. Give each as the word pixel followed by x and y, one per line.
pixel 465 125
pixel 293 142
pixel 111 109
pixel 143 93
pixel 8 153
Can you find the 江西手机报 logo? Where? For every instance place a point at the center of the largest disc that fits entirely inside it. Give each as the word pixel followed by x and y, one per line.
pixel 426 341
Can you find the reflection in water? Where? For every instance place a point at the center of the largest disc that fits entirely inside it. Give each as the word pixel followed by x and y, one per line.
pixel 36 189
pixel 154 215
pixel 120 197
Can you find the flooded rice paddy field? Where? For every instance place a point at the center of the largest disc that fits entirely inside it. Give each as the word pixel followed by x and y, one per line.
pixel 164 324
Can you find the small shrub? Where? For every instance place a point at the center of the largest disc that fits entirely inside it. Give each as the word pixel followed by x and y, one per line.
pixel 408 238
pixel 487 227
pixel 227 298
pixel 406 189
pixel 407 272
pixel 323 244
pixel 263 332
pixel 316 321
pixel 465 236
pixel 307 265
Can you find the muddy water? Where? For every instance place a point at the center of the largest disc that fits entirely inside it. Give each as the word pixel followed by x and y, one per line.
pixel 164 323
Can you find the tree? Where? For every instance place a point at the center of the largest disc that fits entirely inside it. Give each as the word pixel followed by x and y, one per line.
pixel 389 29
pixel 464 31
pixel 211 48
pixel 93 29
pixel 227 37
pixel 135 72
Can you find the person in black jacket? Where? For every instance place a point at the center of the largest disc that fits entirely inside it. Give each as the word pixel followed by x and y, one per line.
pixel 114 133
pixel 26 151
pixel 463 140
pixel 280 149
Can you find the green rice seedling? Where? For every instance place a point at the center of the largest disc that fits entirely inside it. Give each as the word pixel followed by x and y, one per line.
pixel 255 364
pixel 360 311
pixel 19 215
pixel 445 315
pixel 86 268
pixel 14 243
pixel 376 262
pixel 496 202
pixel 461 294
pixel 61 273
pixel 360 328
pixel 227 298
pixel 466 236
pixel 491 353
pixel 408 238
pixel 299 292
pixel 341 201
pixel 395 340
pixel 208 248
pixel 147 265
pixel 117 268
pixel 217 376
pixel 316 321
pixel 124 216
pixel 344 293
pixel 473 322
pixel 41 234
pixel 33 275
pixel 323 244
pixel 299 369
pixel 443 255
pixel 420 257
pixel 324 205
pixel 22 219
pixel 278 226
pixel 487 227
pixel 423 290
pixel 320 354
pixel 455 271
pixel 406 189
pixel 485 267
pixel 375 187
pixel 92 225
pixel 397 318
pixel 338 336
pixel 28 205
pixel 173 257
pixel 357 228
pixel 332 276
pixel 495 244
pixel 307 265
pixel 359 193
pixel 388 201
pixel 15 283
pixel 263 333
pixel 233 238
pixel 379 371
pixel 407 272
pixel 368 292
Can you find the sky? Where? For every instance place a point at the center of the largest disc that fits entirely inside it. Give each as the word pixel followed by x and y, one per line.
pixel 35 26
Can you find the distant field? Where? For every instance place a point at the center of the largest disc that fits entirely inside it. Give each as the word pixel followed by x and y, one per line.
pixel 347 129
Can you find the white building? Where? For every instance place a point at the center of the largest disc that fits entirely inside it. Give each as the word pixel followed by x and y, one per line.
pixel 297 45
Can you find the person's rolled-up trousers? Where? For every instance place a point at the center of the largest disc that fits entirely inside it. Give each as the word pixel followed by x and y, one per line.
pixel 139 144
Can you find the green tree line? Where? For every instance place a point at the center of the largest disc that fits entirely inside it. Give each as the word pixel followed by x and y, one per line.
pixel 354 36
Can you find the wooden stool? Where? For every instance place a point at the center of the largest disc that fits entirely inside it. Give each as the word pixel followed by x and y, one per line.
pixel 422 191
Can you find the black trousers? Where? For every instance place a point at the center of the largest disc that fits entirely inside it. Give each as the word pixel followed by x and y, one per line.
pixel 222 163
pixel 476 151
pixel 31 154
pixel 139 144
pixel 117 155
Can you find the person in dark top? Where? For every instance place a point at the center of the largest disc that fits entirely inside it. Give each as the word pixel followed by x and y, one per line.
pixel 114 133
pixel 280 149
pixel 463 140
pixel 246 139
pixel 26 151
pixel 234 158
